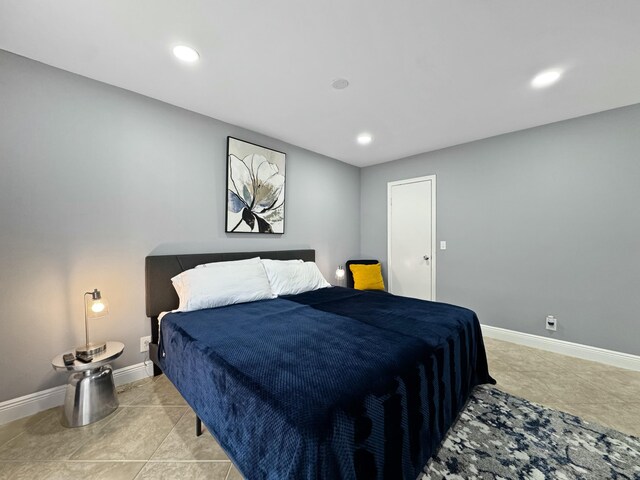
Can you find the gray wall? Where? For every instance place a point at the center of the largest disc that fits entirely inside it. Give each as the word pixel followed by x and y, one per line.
pixel 541 221
pixel 94 178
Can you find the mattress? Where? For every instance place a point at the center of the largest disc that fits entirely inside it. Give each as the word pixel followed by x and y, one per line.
pixel 334 383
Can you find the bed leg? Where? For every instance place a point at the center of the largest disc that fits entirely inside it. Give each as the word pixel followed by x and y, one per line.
pixel 198 426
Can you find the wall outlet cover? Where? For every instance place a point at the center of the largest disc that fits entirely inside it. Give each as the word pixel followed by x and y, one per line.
pixel 551 323
pixel 144 343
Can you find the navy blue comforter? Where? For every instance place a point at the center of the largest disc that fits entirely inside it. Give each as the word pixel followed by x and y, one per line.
pixel 330 384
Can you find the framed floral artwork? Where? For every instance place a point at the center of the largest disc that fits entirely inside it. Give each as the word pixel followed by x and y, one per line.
pixel 255 188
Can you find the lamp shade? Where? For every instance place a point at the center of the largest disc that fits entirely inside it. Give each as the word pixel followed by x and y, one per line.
pixel 97 306
pixel 340 272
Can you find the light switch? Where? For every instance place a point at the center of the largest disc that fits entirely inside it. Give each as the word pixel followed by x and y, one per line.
pixel 443 245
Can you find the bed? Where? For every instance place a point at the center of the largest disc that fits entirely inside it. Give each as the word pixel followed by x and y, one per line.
pixel 328 384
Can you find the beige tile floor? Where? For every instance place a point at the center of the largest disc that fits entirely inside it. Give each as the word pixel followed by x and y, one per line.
pixel 595 392
pixel 151 436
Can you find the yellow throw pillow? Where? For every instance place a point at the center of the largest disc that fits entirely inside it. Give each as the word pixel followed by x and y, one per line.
pixel 367 277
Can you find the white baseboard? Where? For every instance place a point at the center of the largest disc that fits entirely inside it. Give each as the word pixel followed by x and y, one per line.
pixel 586 352
pixel 132 373
pixel 36 402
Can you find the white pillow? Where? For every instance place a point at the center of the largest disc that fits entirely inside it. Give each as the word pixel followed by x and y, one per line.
pixel 177 280
pixel 267 261
pixel 230 262
pixel 220 285
pixel 289 278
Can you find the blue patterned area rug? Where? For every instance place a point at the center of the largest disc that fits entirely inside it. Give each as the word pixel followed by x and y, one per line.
pixel 499 437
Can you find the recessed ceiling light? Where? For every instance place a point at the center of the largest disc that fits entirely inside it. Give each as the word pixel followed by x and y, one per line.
pixel 186 54
pixel 364 138
pixel 546 78
pixel 340 83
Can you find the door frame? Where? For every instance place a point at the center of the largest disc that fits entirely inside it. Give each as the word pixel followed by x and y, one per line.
pixel 431 178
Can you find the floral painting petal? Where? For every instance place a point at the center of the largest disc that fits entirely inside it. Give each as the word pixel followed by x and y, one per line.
pixel 263 225
pixel 240 179
pixel 234 202
pixel 274 216
pixel 263 170
pixel 280 201
pixel 268 193
pixel 249 218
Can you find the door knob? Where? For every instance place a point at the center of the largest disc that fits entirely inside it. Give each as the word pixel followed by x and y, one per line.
pixel 426 257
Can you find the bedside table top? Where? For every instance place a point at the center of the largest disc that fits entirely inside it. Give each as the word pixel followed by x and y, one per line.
pixel 113 351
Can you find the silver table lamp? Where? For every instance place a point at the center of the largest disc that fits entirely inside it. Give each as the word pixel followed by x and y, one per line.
pixel 95 307
pixel 340 274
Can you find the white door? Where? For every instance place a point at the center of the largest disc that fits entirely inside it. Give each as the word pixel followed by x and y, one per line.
pixel 411 237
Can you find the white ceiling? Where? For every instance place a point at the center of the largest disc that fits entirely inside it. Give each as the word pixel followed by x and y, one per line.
pixel 424 74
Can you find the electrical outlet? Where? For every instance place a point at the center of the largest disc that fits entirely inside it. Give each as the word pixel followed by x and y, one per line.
pixel 144 343
pixel 551 323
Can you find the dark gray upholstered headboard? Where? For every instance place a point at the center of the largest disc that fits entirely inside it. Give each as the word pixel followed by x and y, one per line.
pixel 159 269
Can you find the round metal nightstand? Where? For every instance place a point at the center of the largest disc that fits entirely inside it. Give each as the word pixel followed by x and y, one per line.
pixel 91 393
